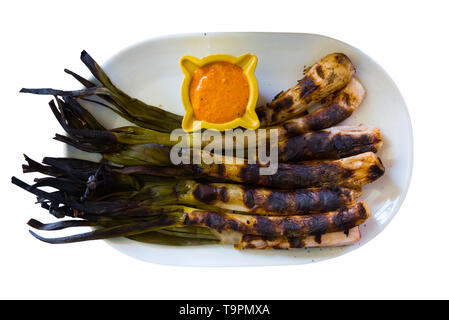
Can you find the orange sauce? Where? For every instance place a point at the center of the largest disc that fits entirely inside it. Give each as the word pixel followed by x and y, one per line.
pixel 219 92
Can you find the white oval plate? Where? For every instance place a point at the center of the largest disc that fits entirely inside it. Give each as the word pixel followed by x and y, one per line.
pixel 150 71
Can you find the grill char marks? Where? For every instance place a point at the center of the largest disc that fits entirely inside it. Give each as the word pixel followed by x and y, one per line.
pixel 282 104
pixel 298 201
pixel 345 222
pixel 338 108
pixel 248 199
pixel 332 143
pixel 307 86
pixel 304 176
pixel 209 194
pixel 250 173
pixel 328 75
pixel 350 172
pixel 272 226
pixel 319 71
pixel 376 171
pixel 325 118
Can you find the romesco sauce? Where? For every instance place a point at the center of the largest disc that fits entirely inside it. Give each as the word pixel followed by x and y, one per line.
pixel 219 92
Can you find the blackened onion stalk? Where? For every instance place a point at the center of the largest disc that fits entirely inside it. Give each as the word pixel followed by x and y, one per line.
pixel 139 218
pixel 100 182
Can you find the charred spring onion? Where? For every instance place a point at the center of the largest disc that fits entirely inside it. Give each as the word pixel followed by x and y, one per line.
pixel 105 184
pixel 351 172
pixel 326 76
pixel 135 146
pixel 150 218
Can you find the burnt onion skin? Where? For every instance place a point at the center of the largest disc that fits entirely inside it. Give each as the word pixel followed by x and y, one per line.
pixel 94 182
pixel 328 75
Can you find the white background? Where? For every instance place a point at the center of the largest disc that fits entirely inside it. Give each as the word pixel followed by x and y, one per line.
pixel 409 39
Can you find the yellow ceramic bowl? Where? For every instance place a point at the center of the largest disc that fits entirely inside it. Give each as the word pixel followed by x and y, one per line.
pixel 249 120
